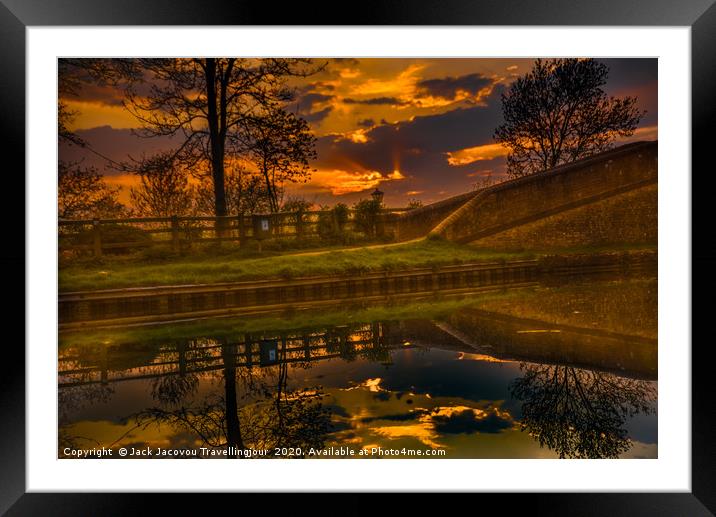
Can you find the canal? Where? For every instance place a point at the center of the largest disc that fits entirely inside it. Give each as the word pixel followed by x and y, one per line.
pixel 550 370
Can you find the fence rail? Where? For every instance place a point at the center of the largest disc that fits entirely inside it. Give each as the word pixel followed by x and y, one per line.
pixel 178 232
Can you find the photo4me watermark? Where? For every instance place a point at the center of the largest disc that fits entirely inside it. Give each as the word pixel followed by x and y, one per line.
pixel 237 452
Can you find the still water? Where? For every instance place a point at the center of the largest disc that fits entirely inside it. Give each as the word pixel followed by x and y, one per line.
pixel 545 371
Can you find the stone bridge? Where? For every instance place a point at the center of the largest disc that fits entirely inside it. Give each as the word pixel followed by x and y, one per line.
pixel 476 215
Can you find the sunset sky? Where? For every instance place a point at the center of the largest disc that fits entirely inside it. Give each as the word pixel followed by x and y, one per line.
pixel 415 128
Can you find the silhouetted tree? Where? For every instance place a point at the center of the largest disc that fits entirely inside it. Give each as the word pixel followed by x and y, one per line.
pixel 280 145
pixel 245 193
pixel 367 213
pixel 202 102
pixel 71 76
pixel 580 413
pixel 172 390
pixel 295 204
pixel 72 400
pixel 82 193
pixel 164 188
pixel 558 113
pixel 74 74
pixel 274 415
pixel 332 222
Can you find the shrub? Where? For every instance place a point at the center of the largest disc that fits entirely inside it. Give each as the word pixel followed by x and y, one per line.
pixel 366 217
pixel 190 231
pixel 116 234
pixel 332 223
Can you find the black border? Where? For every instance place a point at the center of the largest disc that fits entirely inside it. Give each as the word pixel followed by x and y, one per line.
pixel 700 15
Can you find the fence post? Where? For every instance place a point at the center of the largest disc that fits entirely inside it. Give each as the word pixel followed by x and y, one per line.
pixel 175 233
pixel 334 221
pixel 97 238
pixel 242 230
pixel 299 223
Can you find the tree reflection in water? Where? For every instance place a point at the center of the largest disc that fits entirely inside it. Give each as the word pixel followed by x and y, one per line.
pixel 75 399
pixel 272 417
pixel 580 413
pixel 211 392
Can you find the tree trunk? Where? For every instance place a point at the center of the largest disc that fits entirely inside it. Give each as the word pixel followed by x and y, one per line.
pixel 216 137
pixel 233 426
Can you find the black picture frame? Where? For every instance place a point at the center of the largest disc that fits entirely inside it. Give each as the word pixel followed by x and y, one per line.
pixel 700 15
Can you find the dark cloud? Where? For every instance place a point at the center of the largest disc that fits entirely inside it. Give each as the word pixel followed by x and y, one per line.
pixel 116 144
pixel 417 148
pixel 91 92
pixel 448 87
pixel 307 101
pixel 336 427
pixel 337 410
pixel 350 61
pixel 393 101
pixel 317 116
pixel 333 68
pixel 382 396
pixel 450 131
pixel 637 78
pixel 368 122
pixel 467 422
pixel 630 72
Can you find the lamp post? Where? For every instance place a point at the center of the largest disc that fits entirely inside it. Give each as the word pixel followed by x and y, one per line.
pixel 377 196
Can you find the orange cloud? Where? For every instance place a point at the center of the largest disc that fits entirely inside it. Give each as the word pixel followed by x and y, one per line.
pixel 423 432
pixel 481 173
pixel 349 73
pixel 474 154
pixel 642 133
pixel 430 101
pixel 404 82
pixel 91 114
pixel 340 181
pixel 358 136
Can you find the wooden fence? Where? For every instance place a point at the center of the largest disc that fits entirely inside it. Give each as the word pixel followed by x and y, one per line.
pixel 100 235
pixel 187 357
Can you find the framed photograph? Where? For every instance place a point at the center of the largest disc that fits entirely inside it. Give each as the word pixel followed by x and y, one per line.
pixel 433 237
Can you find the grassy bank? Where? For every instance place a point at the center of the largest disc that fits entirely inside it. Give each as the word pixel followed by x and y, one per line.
pixel 206 268
pixel 201 269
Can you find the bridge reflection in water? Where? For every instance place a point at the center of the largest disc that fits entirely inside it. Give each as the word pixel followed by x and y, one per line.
pixel 472 379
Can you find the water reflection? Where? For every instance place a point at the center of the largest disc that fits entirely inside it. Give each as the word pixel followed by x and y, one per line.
pixel 478 377
pixel 580 413
pixel 277 417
